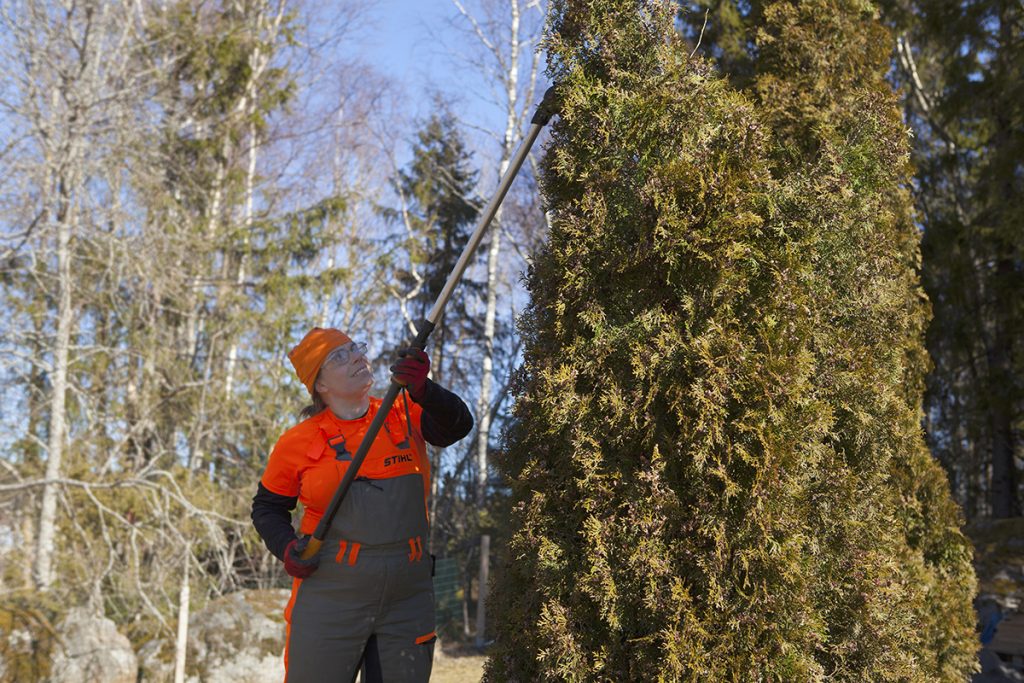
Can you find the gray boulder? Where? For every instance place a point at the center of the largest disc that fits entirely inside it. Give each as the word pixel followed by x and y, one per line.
pixel 156 661
pixel 239 637
pixel 92 649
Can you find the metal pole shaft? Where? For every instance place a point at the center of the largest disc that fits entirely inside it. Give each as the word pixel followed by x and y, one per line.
pixel 485 220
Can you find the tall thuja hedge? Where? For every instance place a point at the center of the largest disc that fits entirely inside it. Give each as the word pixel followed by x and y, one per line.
pixel 684 508
pixel 843 150
pixel 665 431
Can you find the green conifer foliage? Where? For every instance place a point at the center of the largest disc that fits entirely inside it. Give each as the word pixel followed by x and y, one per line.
pixel 663 426
pixel 691 501
pixel 843 147
pixel 438 215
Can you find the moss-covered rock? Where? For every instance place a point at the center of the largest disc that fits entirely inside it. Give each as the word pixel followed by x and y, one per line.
pixel 28 636
pixel 239 637
pixel 92 649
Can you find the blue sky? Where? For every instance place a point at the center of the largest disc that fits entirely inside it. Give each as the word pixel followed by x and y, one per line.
pixel 421 47
pixel 416 43
pixel 400 41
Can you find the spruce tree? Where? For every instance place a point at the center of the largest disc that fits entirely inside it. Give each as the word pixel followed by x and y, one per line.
pixel 438 216
pixel 692 501
pixel 962 70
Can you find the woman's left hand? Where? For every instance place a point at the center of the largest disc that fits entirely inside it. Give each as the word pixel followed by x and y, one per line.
pixel 411 371
pixel 293 562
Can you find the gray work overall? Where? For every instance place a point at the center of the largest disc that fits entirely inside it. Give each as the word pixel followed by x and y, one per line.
pixel 373 579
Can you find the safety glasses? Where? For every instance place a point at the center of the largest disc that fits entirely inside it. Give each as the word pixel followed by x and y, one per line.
pixel 344 354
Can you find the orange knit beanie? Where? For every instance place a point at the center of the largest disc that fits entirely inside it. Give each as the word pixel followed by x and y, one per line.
pixel 309 354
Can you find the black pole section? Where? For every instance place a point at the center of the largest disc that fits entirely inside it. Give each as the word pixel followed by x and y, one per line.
pixel 545 110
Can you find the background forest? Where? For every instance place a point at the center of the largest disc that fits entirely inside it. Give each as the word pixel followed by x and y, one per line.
pixel 186 187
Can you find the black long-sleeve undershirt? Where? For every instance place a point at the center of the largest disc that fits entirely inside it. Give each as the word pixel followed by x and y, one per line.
pixel 445 420
pixel 272 517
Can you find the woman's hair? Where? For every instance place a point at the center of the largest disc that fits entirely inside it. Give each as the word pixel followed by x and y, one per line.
pixel 317 404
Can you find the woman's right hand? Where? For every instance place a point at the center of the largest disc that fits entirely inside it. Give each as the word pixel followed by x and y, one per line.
pixel 293 562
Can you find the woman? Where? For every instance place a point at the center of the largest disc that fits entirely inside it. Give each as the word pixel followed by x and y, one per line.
pixel 368 591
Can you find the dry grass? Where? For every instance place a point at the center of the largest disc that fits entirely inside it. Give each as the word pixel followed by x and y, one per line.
pixel 458 667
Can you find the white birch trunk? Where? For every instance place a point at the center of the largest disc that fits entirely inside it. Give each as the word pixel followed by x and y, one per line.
pixel 68 58
pixel 483 404
pixel 181 642
pixel 434 452
pixel 250 181
pixel 55 444
pixel 483 411
pixel 248 106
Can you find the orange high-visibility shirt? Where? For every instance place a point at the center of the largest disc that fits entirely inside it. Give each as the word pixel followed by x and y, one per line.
pixel 310 459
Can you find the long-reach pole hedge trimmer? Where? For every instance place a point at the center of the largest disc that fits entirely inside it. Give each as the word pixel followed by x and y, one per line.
pixel 545 110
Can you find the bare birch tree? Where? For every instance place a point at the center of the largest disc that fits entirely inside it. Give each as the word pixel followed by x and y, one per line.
pixel 167 227
pixel 68 77
pixel 508 49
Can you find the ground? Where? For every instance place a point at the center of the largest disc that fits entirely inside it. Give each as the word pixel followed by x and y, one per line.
pixel 458 665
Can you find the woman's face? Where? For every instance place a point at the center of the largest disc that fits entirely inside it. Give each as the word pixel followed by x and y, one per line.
pixel 347 378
